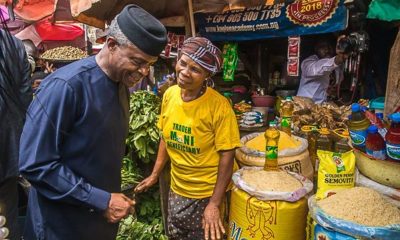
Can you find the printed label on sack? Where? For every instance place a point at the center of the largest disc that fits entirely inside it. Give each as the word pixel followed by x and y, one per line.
pixel 294 166
pixel 337 159
pixel 358 137
pixel 393 151
pixel 381 154
pixel 322 233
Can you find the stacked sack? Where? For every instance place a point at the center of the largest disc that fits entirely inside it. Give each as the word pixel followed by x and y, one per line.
pixel 252 119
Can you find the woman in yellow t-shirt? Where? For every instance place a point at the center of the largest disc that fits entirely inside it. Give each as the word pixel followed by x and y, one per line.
pixel 199 136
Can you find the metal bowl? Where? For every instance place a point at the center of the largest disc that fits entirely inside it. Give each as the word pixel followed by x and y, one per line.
pixel 285 93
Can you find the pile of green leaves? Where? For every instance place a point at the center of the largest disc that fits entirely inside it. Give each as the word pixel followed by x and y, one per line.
pixel 132 229
pixel 144 136
pixel 148 205
pixel 142 143
pixel 130 173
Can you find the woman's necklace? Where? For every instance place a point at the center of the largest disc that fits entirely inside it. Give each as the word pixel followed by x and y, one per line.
pixel 201 92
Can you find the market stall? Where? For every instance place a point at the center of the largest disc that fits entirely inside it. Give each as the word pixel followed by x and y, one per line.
pixel 316 128
pixel 326 149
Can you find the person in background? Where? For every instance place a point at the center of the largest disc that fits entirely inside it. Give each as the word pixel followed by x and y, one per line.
pixel 15 96
pixel 144 84
pixel 39 68
pixel 32 52
pixel 316 70
pixel 169 81
pixel 73 142
pixel 199 137
pixel 37 78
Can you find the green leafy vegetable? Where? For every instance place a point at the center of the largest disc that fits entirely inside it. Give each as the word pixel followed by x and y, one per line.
pixel 132 229
pixel 142 141
pixel 144 136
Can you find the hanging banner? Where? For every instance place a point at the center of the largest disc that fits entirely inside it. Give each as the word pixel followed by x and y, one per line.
pixel 280 20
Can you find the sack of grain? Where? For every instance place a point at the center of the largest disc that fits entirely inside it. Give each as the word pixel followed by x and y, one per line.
pixel 293 154
pixel 272 185
pixel 317 232
pixel 256 214
pixel 393 194
pixel 359 212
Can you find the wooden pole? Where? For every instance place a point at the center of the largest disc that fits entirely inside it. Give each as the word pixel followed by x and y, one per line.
pixel 190 6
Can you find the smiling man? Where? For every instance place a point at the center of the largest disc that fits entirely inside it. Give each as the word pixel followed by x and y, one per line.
pixel 74 137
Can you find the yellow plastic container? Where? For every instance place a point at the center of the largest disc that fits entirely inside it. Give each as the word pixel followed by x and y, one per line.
pixel 251 218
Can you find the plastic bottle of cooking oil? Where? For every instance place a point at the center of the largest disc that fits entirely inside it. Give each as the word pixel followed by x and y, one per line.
pixel 312 137
pixel 342 145
pixel 324 142
pixel 358 125
pixel 271 151
pixel 286 115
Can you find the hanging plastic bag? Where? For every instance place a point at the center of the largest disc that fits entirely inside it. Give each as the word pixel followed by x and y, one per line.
pixel 58 32
pixel 230 61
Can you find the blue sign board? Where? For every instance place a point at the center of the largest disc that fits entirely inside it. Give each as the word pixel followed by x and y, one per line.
pixel 280 20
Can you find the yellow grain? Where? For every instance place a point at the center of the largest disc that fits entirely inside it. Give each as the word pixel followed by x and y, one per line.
pixel 285 141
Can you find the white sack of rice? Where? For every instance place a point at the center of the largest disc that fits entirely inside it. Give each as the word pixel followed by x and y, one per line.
pixel 361 205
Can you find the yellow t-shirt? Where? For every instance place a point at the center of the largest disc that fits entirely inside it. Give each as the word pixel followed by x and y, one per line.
pixel 194 132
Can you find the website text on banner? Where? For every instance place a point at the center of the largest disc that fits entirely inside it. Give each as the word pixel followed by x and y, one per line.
pixel 279 20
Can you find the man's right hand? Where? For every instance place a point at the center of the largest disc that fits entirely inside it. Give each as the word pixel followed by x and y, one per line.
pixel 340 55
pixel 146 183
pixel 118 207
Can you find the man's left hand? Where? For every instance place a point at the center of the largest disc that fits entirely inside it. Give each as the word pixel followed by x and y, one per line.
pixel 212 223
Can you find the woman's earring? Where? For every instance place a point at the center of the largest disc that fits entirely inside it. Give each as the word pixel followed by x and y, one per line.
pixel 210 82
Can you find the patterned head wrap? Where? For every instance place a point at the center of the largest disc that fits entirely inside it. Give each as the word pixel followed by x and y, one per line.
pixel 203 52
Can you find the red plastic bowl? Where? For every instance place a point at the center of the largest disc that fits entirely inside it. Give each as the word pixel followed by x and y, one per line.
pixel 263 101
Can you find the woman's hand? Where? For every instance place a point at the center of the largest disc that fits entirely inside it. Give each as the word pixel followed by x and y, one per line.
pixel 146 183
pixel 212 223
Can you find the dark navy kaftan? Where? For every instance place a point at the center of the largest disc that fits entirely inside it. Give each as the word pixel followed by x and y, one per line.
pixel 71 150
